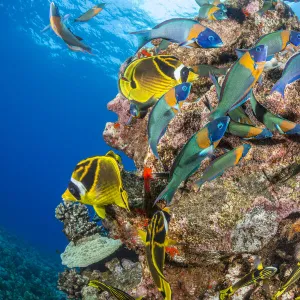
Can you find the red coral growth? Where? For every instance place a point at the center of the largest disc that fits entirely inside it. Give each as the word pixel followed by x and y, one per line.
pixel 147 177
pixel 172 251
pixel 294 230
pixel 117 125
pixel 245 12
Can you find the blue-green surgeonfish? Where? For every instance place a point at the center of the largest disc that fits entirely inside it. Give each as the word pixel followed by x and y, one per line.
pixel 248 132
pixel 189 159
pixel 163 112
pixel 290 74
pixel 240 79
pixel 63 32
pixel 186 32
pixel 212 12
pixel 94 11
pixel 222 163
pixel 276 41
pixel 271 121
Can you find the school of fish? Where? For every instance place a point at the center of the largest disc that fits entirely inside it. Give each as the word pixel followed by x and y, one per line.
pixel 159 85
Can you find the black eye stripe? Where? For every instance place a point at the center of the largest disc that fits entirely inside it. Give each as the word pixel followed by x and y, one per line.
pixel 184 74
pixel 74 190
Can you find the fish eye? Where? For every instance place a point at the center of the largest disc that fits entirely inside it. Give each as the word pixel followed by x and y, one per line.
pixel 184 74
pixel 211 38
pixel 72 190
pixel 184 88
pixel 258 49
pixel 298 36
pixel 220 125
pixel 221 13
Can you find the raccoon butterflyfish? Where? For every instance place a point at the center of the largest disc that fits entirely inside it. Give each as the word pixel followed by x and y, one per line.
pixel 271 121
pixel 119 294
pixel 260 273
pixel 63 32
pixel 146 80
pixel 295 275
pixel 94 11
pixel 290 74
pixel 222 163
pixel 156 241
pixel 97 181
pixel 238 82
pixel 190 157
pixel 186 32
pixel 164 110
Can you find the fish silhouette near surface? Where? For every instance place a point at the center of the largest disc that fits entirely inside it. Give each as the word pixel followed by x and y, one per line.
pixel 63 32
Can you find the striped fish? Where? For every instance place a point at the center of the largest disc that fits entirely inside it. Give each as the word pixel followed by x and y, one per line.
pixel 97 181
pixel 146 80
pixel 156 240
pixel 119 294
pixel 295 275
pixel 259 274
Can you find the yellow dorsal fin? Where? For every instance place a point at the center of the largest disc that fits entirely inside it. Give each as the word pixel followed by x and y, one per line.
pixel 142 235
pixel 170 242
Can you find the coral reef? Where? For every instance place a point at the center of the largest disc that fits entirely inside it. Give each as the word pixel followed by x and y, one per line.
pixel 24 273
pixel 76 220
pixel 253 208
pixel 89 250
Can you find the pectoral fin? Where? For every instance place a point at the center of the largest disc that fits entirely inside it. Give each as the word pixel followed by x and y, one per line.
pixel 187 43
pixel 142 234
pixel 100 210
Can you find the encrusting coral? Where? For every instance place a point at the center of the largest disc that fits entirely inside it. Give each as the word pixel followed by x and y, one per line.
pixel 254 208
pixel 76 220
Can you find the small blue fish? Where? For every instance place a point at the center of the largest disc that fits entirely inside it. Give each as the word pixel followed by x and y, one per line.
pixel 290 74
pixel 186 32
pixel 163 112
pixel 224 162
pixel 189 159
pixel 212 12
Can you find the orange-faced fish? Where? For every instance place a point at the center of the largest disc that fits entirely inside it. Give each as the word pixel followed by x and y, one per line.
pixel 156 241
pixel 293 278
pixel 147 79
pixel 212 12
pixel 276 41
pixel 271 121
pixel 64 18
pixel 259 274
pixel 224 162
pixel 63 32
pixel 205 70
pixel 163 112
pixel 240 79
pixel 91 13
pixel 119 294
pixel 185 32
pixel 248 132
pixel 290 74
pixel 189 159
pixel 97 181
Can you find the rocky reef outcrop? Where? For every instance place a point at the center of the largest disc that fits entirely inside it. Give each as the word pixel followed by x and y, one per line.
pixel 253 209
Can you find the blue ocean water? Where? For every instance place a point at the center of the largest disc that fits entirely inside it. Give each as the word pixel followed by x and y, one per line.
pixel 54 102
